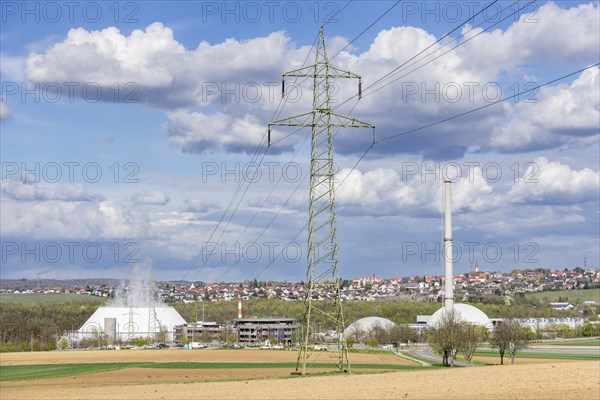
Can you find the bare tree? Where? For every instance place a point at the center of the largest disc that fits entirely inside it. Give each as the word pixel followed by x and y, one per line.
pixel 470 337
pixel 379 333
pixel 510 337
pixel 357 334
pixel 444 339
pixel 401 334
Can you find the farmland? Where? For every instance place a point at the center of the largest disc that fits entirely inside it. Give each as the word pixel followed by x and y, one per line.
pixel 265 374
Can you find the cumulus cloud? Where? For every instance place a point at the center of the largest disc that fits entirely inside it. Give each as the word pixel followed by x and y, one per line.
pixel 151 198
pixel 47 192
pixel 385 191
pixel 5 114
pixel 200 206
pixel 192 84
pixel 556 183
pixel 164 73
pixel 71 220
pixel 536 37
pixel 563 114
pixel 197 132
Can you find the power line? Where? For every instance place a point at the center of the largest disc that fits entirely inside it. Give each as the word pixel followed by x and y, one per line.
pixel 487 105
pixel 430 54
pixel 446 52
pixel 277 112
pixel 412 58
pixel 282 207
pixel 425 127
pixel 306 224
pixel 195 259
pixel 438 41
pixel 366 29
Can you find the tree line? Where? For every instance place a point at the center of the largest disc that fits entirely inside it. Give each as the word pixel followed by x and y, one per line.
pixel 25 327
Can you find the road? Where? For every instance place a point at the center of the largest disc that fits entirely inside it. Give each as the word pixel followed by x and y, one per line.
pixel 427 354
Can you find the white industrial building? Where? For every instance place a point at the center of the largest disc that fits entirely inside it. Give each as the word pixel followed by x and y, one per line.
pixel 128 323
pixel 462 312
pixel 367 323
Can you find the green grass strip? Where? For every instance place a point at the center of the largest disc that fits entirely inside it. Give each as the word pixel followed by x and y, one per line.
pixel 550 356
pixel 251 365
pixel 591 342
pixel 43 371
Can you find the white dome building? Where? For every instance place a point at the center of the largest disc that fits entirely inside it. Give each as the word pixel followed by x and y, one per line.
pixel 367 323
pixel 124 323
pixel 464 312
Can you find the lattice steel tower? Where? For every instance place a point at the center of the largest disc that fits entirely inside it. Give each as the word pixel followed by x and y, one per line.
pixel 322 248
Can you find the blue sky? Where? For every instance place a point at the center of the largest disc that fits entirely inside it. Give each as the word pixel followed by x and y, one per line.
pixel 162 106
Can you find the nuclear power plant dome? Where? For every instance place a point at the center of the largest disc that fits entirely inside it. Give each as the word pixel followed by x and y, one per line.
pixel 367 323
pixel 464 312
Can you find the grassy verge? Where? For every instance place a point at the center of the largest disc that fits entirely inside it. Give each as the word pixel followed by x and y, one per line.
pixel 30 372
pixel 549 356
pixel 586 342
pixel 27 372
pixel 371 351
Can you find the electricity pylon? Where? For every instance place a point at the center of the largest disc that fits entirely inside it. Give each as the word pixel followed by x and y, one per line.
pixel 322 249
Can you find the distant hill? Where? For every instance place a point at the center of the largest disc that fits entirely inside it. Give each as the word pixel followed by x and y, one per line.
pixel 570 295
pixel 49 283
pixel 50 298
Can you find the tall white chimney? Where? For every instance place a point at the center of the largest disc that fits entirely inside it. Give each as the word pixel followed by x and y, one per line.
pixel 239 307
pixel 448 275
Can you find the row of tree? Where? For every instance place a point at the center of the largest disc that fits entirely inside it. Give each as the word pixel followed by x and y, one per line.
pixel 452 336
pixel 25 327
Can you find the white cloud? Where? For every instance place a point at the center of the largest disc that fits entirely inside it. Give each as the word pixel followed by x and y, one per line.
pixel 151 198
pixel 105 57
pixel 553 182
pixel 197 132
pixel 56 219
pixel 47 192
pixel 164 73
pixel 171 77
pixel 550 35
pixel 562 114
pixel 383 191
pixel 5 114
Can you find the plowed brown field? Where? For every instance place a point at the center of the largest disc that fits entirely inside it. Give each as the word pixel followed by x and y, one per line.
pixel 551 380
pixel 180 355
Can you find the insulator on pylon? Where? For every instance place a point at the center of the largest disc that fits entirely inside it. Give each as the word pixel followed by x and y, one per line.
pixel 359 89
pixel 269 137
pixel 282 88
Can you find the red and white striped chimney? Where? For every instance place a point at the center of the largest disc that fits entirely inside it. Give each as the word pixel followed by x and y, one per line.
pixel 239 307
